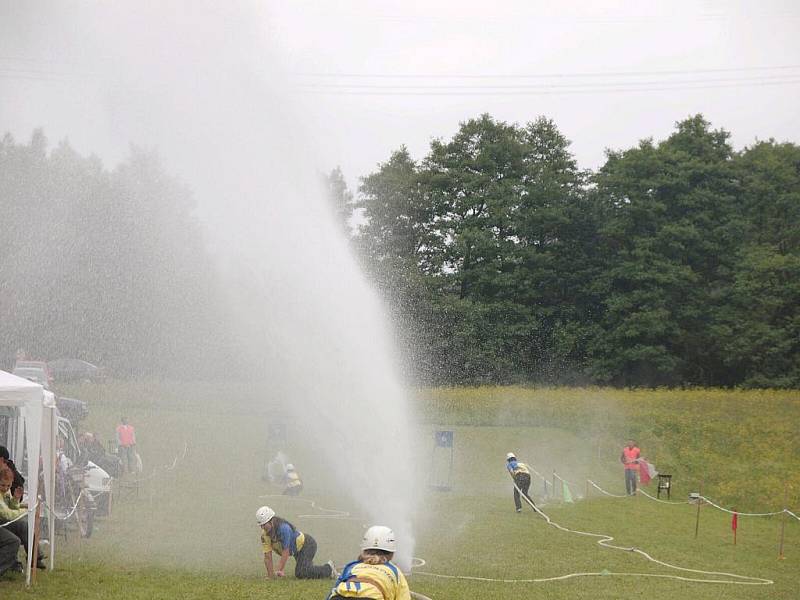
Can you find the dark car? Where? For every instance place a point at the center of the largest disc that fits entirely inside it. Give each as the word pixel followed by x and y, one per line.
pixel 74 369
pixel 72 408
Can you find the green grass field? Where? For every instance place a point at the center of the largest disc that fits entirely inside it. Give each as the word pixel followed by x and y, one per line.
pixel 190 533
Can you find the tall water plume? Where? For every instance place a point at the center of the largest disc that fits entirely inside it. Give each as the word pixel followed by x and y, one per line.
pixel 200 82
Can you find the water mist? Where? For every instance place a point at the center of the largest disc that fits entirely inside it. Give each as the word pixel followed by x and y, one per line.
pixel 200 83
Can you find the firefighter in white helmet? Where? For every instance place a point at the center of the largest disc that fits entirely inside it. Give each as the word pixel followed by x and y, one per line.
pixel 283 538
pixel 292 482
pixel 521 474
pixel 373 575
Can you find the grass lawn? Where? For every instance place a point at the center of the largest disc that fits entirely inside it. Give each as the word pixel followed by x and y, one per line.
pixel 190 532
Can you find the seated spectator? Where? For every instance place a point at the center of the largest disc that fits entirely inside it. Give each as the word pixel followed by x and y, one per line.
pixel 9 542
pixel 92 450
pixel 12 515
pixel 18 485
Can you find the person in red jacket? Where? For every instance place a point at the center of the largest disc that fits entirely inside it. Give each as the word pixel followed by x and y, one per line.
pixel 630 460
pixel 126 441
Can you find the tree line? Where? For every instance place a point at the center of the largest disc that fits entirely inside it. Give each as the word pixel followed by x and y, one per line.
pixel 105 266
pixel 676 263
pixel 501 261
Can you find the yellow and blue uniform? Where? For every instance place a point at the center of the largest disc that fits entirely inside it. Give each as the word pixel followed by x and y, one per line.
pixel 294 484
pixel 287 538
pixel 521 474
pixel 515 467
pixel 377 582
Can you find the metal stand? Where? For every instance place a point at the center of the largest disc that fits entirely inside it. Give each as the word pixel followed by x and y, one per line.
pixel 440 477
pixel 664 483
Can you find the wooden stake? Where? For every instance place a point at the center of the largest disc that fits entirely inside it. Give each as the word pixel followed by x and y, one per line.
pixel 554 485
pixel 783 519
pixel 34 551
pixel 587 489
pixel 699 502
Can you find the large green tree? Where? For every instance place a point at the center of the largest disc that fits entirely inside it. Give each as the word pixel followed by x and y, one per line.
pixel 108 266
pixel 669 242
pixel 758 325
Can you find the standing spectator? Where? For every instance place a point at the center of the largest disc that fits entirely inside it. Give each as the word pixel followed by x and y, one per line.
pixel 521 475
pixel 630 460
pixel 126 441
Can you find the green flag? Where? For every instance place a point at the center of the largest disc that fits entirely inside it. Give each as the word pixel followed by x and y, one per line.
pixel 566 493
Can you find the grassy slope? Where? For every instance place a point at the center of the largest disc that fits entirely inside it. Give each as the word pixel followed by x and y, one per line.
pixel 189 532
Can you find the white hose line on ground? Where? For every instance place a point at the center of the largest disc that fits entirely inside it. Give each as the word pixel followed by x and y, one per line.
pixel 178 457
pixel 672 502
pixel 333 513
pixel 741 514
pixel 605 492
pixel 704 498
pixel 605 542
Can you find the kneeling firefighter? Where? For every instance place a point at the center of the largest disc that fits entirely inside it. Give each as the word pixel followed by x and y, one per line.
pixel 521 475
pixel 373 575
pixel 282 538
pixel 292 482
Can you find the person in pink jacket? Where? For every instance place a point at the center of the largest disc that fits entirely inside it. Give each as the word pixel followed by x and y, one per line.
pixel 126 442
pixel 630 460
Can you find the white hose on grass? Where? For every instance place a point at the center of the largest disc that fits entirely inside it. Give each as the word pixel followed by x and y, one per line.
pixel 704 498
pixel 732 578
pixel 171 467
pixel 332 513
pixel 605 492
pixel 741 514
pixel 672 502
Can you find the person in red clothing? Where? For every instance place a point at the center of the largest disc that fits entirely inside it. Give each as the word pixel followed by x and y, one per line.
pixel 126 441
pixel 630 460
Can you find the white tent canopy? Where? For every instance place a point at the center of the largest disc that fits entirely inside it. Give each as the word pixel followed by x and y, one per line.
pixel 35 437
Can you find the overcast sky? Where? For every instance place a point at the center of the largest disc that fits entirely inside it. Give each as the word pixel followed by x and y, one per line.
pixel 366 77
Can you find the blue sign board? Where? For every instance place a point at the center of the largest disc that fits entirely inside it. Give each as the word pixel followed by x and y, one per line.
pixel 444 439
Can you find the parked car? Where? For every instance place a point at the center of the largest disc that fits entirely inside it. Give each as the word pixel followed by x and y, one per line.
pixel 72 408
pixel 35 374
pixel 35 370
pixel 74 369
